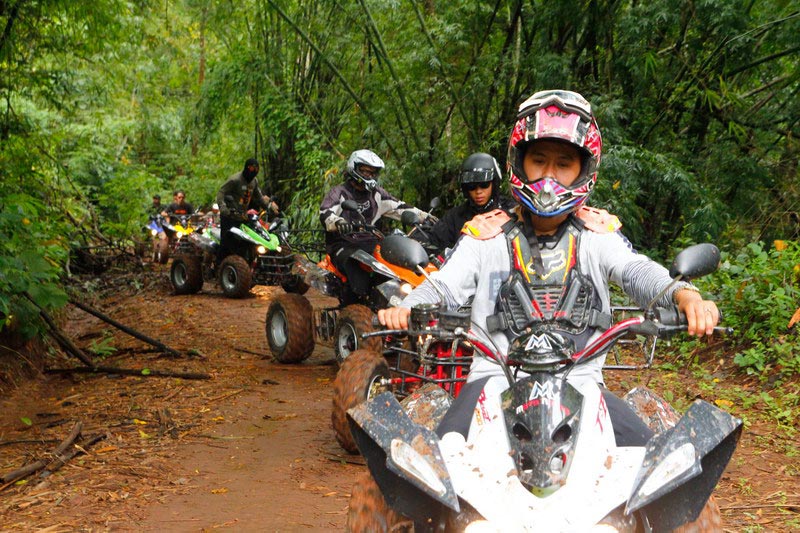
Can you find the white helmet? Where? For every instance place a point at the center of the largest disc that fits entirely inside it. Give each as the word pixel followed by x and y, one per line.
pixel 366 158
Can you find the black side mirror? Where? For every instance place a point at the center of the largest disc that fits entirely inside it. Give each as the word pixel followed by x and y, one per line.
pixel 404 252
pixel 435 202
pixel 409 218
pixel 695 261
pixel 350 205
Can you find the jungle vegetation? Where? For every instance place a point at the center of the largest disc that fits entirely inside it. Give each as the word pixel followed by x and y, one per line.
pixel 104 103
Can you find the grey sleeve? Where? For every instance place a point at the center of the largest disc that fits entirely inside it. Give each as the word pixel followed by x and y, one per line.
pixel 611 258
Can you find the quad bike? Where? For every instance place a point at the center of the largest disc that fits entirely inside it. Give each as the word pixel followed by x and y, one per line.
pixel 439 356
pixel 540 447
pixel 179 229
pixel 265 258
pixel 155 225
pixel 293 326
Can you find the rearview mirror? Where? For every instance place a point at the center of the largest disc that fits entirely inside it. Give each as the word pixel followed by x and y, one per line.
pixel 695 261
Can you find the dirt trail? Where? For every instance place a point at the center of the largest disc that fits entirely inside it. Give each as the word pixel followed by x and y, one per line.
pixel 249 450
pixel 254 448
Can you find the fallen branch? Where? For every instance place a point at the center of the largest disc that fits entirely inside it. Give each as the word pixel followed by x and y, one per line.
pixel 41 463
pixel 61 460
pixel 144 373
pixel 60 338
pixel 130 331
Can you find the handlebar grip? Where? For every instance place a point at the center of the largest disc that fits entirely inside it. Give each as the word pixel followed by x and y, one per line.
pixel 670 316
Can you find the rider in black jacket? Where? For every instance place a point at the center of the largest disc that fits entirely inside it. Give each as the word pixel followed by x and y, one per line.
pixel 479 179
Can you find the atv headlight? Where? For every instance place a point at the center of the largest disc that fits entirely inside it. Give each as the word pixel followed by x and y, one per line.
pixel 673 465
pixel 278 249
pixel 415 465
pixel 406 288
pixel 180 233
pixel 261 250
pixel 153 232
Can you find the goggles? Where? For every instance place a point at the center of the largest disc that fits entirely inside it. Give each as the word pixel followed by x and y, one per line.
pixel 566 100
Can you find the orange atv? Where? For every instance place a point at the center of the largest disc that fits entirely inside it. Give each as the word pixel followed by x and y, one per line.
pixel 293 326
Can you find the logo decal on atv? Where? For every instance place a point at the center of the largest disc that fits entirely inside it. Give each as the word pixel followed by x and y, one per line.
pixel 542 394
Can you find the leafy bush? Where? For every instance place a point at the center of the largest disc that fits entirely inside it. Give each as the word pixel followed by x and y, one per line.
pixel 758 290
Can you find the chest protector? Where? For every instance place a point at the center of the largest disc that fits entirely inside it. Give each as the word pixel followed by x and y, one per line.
pixel 546 293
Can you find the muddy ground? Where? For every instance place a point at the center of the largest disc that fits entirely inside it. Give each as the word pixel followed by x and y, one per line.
pixel 251 448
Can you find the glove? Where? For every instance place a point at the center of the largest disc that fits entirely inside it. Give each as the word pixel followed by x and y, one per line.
pixel 344 227
pixel 430 219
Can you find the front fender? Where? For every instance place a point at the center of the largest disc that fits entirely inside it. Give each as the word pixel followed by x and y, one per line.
pixel 682 466
pixel 403 457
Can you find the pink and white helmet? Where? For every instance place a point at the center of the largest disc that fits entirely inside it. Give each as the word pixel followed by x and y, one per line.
pixel 557 115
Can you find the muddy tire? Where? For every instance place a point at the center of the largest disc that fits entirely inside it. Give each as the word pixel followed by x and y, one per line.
pixel 161 251
pixel 186 275
pixel 352 322
pixel 357 381
pixel 290 328
pixel 235 277
pixel 368 510
pixel 295 285
pixel 710 519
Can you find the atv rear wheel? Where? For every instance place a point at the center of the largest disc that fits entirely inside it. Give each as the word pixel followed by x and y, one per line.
pixel 161 251
pixel 368 510
pixel 186 274
pixel 235 276
pixel 289 328
pixel 359 379
pixel 352 322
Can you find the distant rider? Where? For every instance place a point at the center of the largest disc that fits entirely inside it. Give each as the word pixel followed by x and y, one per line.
pixel 178 207
pixel 238 194
pixel 342 237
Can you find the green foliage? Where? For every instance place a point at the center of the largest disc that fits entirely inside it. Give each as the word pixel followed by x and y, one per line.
pixel 103 347
pixel 758 290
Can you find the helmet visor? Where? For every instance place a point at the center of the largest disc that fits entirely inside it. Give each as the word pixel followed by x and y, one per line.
pixel 478 175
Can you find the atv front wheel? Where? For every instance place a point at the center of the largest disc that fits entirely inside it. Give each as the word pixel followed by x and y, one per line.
pixel 235 276
pixel 295 285
pixel 359 379
pixel 352 322
pixel 710 519
pixel 368 510
pixel 290 328
pixel 186 275
pixel 161 251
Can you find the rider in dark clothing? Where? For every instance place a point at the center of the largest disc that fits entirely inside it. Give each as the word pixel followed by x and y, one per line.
pixel 479 180
pixel 238 194
pixel 341 236
pixel 178 207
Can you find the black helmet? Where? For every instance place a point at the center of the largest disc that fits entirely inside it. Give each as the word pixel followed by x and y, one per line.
pixel 480 168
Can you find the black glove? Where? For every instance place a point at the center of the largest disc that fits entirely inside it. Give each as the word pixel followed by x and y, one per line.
pixel 344 227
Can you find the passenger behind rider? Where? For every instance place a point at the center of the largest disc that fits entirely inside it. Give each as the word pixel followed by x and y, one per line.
pixel 553 154
pixel 236 196
pixel 342 235
pixel 479 179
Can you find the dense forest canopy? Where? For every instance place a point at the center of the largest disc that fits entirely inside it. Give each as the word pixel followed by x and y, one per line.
pixel 104 103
